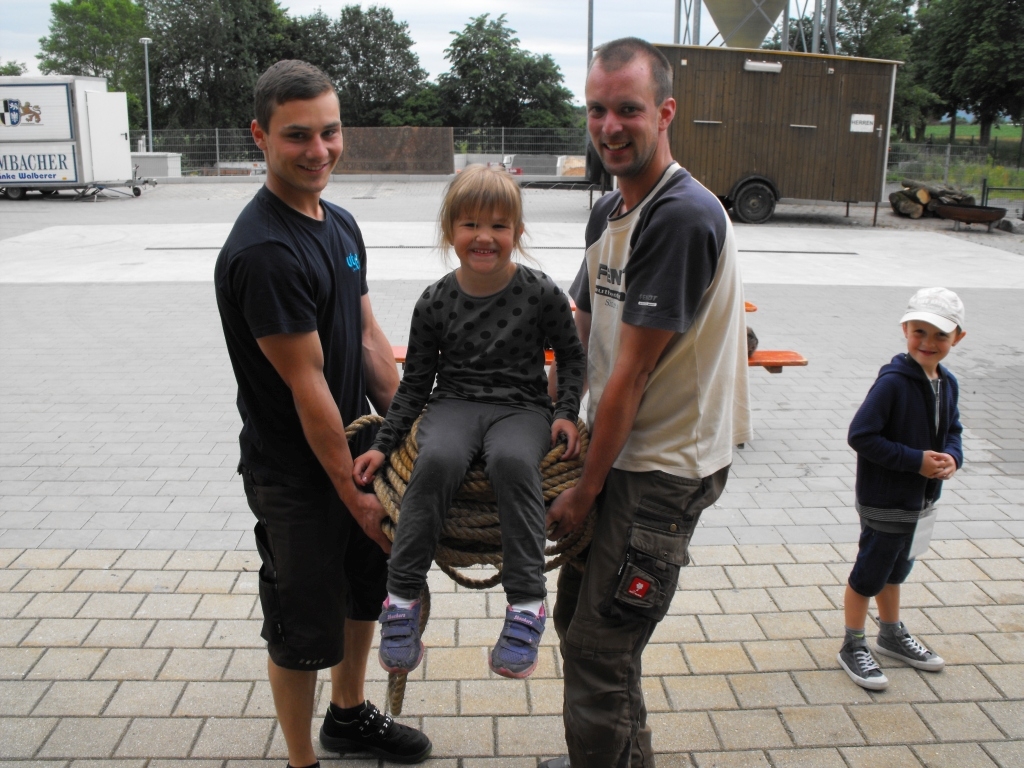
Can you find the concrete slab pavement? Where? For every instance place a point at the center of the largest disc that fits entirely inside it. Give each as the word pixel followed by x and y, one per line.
pixel 129 629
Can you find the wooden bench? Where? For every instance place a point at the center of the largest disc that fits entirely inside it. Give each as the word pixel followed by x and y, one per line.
pixel 772 360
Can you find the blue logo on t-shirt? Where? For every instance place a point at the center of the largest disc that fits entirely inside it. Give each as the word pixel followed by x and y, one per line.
pixel 353 262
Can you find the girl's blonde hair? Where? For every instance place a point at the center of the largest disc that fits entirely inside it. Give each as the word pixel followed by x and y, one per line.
pixel 478 189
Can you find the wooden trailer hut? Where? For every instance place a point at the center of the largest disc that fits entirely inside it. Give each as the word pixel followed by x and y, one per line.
pixel 755 125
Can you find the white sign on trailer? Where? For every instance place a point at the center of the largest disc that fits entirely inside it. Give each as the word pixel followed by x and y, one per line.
pixel 38 163
pixel 862 123
pixel 38 112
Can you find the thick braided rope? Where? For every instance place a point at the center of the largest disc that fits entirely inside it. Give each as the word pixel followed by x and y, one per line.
pixel 471 534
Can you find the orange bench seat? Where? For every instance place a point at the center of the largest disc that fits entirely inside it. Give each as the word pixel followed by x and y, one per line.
pixel 772 360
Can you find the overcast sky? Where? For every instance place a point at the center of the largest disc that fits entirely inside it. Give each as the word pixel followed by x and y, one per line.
pixel 557 27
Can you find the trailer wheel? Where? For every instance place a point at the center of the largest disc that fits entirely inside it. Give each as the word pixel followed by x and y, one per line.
pixel 137 191
pixel 15 193
pixel 755 203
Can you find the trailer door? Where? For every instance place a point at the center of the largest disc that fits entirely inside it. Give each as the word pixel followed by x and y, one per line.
pixel 861 139
pixel 108 136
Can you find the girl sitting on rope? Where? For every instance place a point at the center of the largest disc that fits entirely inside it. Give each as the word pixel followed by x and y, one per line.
pixel 481 330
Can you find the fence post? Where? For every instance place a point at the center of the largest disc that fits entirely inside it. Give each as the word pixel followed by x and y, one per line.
pixel 503 143
pixel 1020 149
pixel 984 191
pixel 216 139
pixel 945 177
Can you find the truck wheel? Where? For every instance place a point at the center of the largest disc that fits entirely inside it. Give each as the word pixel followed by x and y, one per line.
pixel 15 193
pixel 755 203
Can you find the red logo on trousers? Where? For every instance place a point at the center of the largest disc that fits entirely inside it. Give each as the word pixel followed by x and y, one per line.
pixel 639 587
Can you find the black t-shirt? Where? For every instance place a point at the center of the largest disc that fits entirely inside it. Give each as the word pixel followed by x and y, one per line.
pixel 282 272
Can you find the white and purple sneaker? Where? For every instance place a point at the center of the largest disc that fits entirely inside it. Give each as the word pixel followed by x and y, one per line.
pixel 515 653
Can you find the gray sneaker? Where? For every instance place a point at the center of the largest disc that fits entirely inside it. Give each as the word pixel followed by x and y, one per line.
pixel 862 668
pixel 904 646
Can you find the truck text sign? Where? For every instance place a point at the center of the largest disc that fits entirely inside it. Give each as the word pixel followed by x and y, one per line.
pixel 34 163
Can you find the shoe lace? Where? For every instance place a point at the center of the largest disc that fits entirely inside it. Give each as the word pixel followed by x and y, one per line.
pixel 865 661
pixel 912 645
pixel 373 718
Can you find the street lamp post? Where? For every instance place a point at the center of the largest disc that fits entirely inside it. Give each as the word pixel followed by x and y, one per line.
pixel 149 108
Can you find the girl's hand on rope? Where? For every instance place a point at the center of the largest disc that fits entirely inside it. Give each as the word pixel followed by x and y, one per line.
pixel 567 513
pixel 365 467
pixel 572 438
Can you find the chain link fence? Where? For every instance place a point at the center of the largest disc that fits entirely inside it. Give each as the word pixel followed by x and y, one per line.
pixel 520 141
pixel 207 151
pixel 231 151
pixel 965 167
pixel 952 165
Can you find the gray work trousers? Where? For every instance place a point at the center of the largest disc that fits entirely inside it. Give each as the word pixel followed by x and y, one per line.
pixel 511 441
pixel 606 615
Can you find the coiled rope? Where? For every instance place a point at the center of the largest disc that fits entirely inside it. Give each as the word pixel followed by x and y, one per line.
pixel 471 534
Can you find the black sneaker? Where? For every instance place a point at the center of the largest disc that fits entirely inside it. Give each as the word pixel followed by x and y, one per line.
pixel 375 732
pixel 904 646
pixel 862 668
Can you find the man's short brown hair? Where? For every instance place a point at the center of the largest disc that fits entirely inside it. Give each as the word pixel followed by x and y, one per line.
pixel 618 53
pixel 287 80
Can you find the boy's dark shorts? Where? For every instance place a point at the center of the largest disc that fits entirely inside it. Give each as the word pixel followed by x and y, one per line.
pixel 881 559
pixel 319 568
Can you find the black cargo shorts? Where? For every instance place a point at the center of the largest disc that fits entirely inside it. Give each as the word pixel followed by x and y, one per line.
pixel 318 568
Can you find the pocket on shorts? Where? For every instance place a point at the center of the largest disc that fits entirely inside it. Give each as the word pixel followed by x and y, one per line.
pixel 658 547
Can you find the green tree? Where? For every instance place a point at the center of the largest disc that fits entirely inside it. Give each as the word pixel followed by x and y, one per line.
pixel 991 71
pixel 207 56
pixel 378 67
pixel 98 38
pixel 972 55
pixel 422 107
pixel 368 55
pixel 936 51
pixel 492 82
pixel 12 68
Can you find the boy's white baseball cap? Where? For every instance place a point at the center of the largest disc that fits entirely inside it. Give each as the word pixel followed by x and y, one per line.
pixel 938 306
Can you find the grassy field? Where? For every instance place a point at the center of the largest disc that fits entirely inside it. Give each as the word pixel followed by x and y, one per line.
pixel 964 131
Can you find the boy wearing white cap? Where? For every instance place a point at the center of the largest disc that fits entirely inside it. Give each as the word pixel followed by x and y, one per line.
pixel 907 438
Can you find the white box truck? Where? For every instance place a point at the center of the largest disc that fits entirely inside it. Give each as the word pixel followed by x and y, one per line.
pixel 63 132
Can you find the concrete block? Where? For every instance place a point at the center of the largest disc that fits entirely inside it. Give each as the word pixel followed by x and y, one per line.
pixel 820 726
pixel 67 664
pixel 20 737
pixel 159 737
pixel 144 698
pixel 75 698
pixel 890 724
pixel 80 737
pixel 130 664
pixel 772 689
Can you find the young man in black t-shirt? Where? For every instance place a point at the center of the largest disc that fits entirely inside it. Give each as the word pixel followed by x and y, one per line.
pixel 307 352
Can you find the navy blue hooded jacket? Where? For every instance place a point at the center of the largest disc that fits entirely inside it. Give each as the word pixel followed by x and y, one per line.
pixel 891 431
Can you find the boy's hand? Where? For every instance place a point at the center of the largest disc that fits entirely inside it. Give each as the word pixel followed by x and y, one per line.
pixel 572 438
pixel 937 466
pixel 365 467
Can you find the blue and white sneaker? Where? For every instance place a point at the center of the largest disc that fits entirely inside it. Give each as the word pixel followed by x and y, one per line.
pixel 515 653
pixel 401 649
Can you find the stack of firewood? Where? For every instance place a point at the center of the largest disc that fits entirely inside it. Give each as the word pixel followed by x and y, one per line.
pixel 918 199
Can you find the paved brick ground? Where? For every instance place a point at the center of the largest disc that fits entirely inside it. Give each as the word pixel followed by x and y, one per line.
pixel 125 655
pixel 128 611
